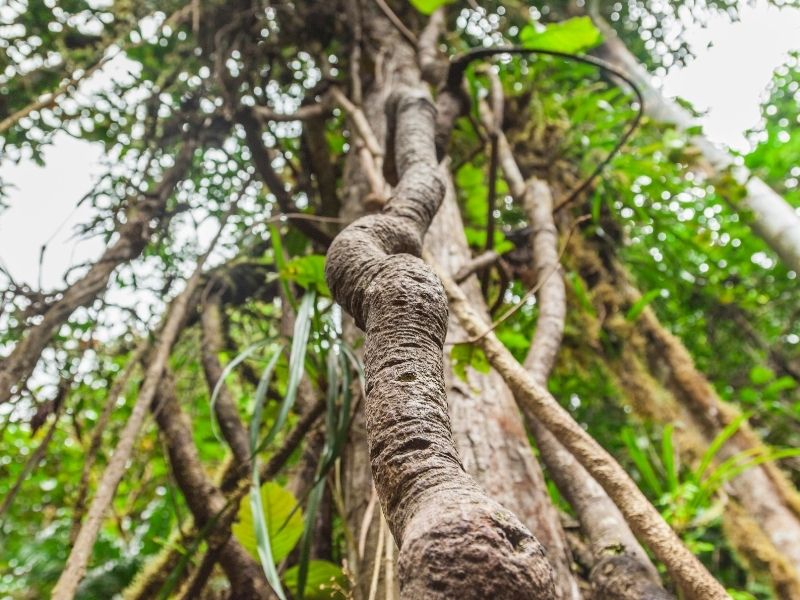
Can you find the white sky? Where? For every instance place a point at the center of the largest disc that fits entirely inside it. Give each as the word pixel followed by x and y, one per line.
pixel 728 79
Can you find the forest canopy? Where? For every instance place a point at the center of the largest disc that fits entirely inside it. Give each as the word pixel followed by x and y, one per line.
pixel 424 299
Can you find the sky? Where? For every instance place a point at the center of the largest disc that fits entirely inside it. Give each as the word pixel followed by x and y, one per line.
pixel 733 65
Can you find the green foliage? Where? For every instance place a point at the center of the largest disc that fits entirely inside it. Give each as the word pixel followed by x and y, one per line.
pixel 468 355
pixel 325 581
pixel 688 496
pixel 427 7
pixel 285 523
pixel 283 519
pixel 308 272
pixel 637 307
pixel 570 36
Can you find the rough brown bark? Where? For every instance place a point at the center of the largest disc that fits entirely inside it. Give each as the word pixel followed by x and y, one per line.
pixel 643 518
pixel 443 522
pixel 133 235
pixel 621 568
pixel 487 425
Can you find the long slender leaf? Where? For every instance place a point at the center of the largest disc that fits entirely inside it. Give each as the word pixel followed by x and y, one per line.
pixel 302 329
pixel 717 443
pixel 239 359
pixel 642 462
pixel 331 426
pixel 256 504
pixel 668 456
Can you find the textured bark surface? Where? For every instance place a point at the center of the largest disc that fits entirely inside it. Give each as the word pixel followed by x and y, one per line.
pixel 362 515
pixel 643 518
pixel 454 540
pixel 486 422
pixel 621 568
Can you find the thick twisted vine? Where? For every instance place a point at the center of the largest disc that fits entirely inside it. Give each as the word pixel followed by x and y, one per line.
pixel 436 512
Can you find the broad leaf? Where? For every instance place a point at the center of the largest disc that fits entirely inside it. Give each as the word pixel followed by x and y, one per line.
pixel 308 272
pixel 571 36
pixel 427 7
pixel 284 526
pixel 325 581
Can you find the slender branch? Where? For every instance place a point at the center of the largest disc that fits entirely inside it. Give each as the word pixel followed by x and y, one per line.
pixel 371 153
pixel 225 410
pixel 78 559
pixel 36 456
pixel 529 294
pixel 459 64
pixel 622 570
pixel 693 578
pixel 304 113
pixel 395 20
pixel 133 236
pixel 203 498
pixel 117 390
pixel 263 164
pixel 480 262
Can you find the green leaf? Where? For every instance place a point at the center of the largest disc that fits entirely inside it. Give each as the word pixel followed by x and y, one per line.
pixel 717 443
pixel 668 457
pixel 297 355
pixel 426 7
pixel 570 36
pixel 638 306
pixel 308 272
pixel 760 375
pixel 468 355
pixel 781 384
pixel 326 581
pixel 283 519
pixel 641 461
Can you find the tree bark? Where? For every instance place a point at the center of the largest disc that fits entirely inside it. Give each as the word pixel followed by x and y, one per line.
pixel 225 410
pixel 643 518
pixel 454 541
pixel 205 500
pixel 621 569
pixel 487 425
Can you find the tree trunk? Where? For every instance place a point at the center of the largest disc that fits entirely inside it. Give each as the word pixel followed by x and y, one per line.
pixel 767 497
pixel 487 425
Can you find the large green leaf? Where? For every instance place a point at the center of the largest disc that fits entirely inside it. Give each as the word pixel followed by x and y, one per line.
pixel 325 581
pixel 284 522
pixel 571 36
pixel 427 7
pixel 308 272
